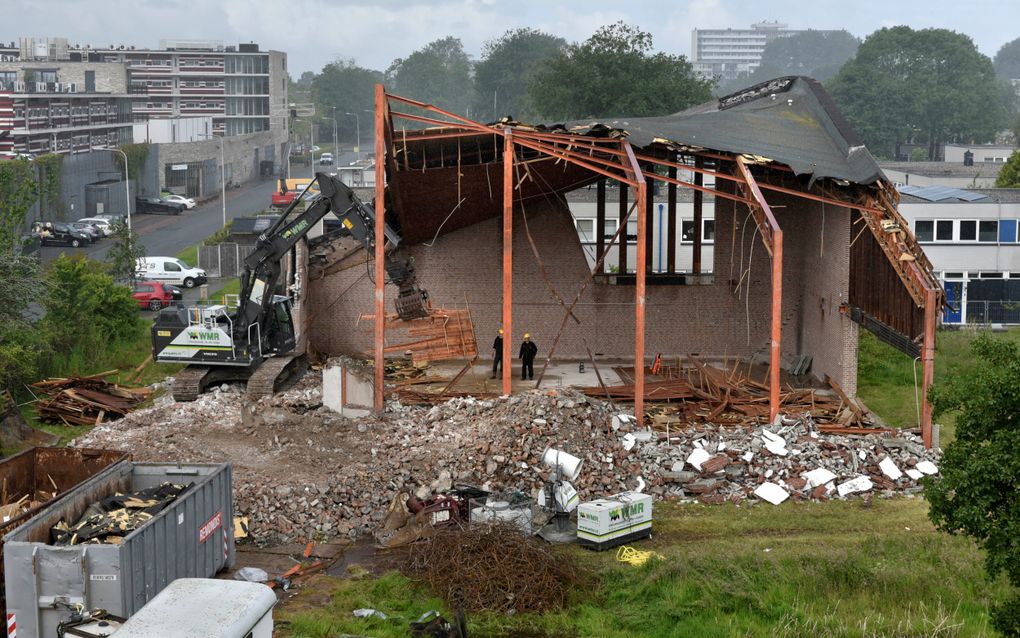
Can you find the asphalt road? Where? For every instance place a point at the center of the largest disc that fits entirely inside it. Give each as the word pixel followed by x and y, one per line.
pixel 167 235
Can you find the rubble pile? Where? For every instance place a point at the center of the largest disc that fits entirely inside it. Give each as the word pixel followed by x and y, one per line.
pixel 302 471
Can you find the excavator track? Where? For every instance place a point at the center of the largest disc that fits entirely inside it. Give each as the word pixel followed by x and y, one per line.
pixel 194 380
pixel 275 373
pixel 188 383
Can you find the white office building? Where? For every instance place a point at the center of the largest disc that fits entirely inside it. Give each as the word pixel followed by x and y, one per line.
pixel 726 53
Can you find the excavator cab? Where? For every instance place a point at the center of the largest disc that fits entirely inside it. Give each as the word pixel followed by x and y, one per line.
pixel 280 326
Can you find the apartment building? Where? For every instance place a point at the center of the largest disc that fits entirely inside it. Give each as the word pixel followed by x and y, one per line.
pixel 58 106
pixel 726 53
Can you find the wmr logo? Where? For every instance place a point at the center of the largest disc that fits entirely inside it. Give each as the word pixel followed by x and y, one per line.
pixel 203 335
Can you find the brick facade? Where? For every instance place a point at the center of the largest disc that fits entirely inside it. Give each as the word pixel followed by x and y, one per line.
pixel 464 267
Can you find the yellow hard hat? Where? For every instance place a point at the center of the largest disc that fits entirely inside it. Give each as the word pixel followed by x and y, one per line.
pixel 527 335
pixel 500 331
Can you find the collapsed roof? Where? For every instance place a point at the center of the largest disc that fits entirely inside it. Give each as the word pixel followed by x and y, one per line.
pixel 791 120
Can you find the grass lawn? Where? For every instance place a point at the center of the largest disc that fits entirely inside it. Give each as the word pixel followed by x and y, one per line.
pixel 800 569
pixel 885 377
pixel 189 255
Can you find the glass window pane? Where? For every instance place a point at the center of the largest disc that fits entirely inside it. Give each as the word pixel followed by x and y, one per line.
pixel 988 231
pixel 632 229
pixel 687 231
pixel 586 229
pixel 709 233
pixel 924 229
pixel 968 230
pixel 171 267
pixel 609 229
pixel 944 230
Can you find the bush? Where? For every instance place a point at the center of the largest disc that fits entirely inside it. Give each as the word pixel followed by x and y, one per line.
pixel 85 308
pixel 976 493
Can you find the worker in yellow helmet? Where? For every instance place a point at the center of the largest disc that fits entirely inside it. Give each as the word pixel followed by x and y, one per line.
pixel 528 352
pixel 497 356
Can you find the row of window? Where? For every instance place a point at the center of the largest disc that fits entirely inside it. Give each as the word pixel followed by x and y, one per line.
pixel 586 230
pixel 946 231
pixel 958 276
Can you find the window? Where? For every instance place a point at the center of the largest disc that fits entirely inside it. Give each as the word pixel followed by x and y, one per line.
pixel 944 230
pixel 968 230
pixel 708 234
pixel 988 231
pixel 609 229
pixel 924 229
pixel 585 229
pixel 171 267
pixel 1007 231
pixel 954 275
pixel 990 275
pixel 687 231
pixel 632 230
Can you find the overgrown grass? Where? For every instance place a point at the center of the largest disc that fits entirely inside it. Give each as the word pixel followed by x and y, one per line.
pixel 189 255
pixel 885 376
pixel 801 569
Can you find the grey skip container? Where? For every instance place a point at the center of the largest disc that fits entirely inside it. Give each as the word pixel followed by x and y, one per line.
pixel 192 538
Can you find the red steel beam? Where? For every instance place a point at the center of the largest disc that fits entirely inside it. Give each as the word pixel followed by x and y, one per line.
pixel 772 235
pixel 928 359
pixel 508 262
pixel 639 287
pixel 584 161
pixel 380 241
pixel 698 223
pixel 600 224
pixel 428 120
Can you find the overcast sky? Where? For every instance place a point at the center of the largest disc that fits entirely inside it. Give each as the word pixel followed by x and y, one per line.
pixel 374 32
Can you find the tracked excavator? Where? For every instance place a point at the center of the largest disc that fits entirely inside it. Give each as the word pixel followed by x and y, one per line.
pixel 256 342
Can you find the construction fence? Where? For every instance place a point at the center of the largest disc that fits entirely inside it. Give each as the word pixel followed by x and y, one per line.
pixel 223 260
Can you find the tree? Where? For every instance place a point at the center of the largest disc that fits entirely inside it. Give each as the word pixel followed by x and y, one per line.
pixel 438 74
pixel 816 54
pixel 1007 61
pixel 507 67
pixel 124 253
pixel 1009 176
pixel 976 492
pixel 18 192
pixel 615 72
pixel 930 86
pixel 85 309
pixel 20 343
pixel 351 89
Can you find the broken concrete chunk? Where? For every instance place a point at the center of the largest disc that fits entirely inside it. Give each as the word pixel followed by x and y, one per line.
pixel 927 467
pixel 697 457
pixel 774 443
pixel 628 441
pixel 859 484
pixel 914 474
pixel 772 493
pixel 821 476
pixel 888 467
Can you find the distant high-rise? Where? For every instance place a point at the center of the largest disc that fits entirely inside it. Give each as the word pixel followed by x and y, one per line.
pixel 726 53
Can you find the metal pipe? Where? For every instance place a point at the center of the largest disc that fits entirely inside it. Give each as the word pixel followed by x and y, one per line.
pixel 671 220
pixel 508 263
pixel 380 240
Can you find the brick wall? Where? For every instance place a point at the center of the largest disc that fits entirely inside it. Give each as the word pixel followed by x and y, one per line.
pixel 464 267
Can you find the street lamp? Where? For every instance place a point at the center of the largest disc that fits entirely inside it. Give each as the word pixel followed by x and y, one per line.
pixel 127 185
pixel 357 144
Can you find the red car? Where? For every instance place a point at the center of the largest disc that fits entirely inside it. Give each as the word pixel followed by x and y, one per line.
pixel 153 295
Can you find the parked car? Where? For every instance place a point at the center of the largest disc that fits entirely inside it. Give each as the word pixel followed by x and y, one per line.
pixel 152 295
pixel 94 232
pixel 326 159
pixel 157 206
pixel 187 202
pixel 59 234
pixel 110 218
pixel 170 270
pixel 104 225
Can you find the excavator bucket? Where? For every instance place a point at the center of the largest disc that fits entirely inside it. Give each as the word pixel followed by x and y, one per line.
pixel 412 303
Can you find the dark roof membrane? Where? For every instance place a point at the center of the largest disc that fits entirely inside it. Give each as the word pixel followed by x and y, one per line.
pixel 790 120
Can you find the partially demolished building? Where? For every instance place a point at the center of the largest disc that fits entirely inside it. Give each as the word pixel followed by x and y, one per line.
pixel 808 243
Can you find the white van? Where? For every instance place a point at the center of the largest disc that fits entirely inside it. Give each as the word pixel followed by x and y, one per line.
pixel 170 270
